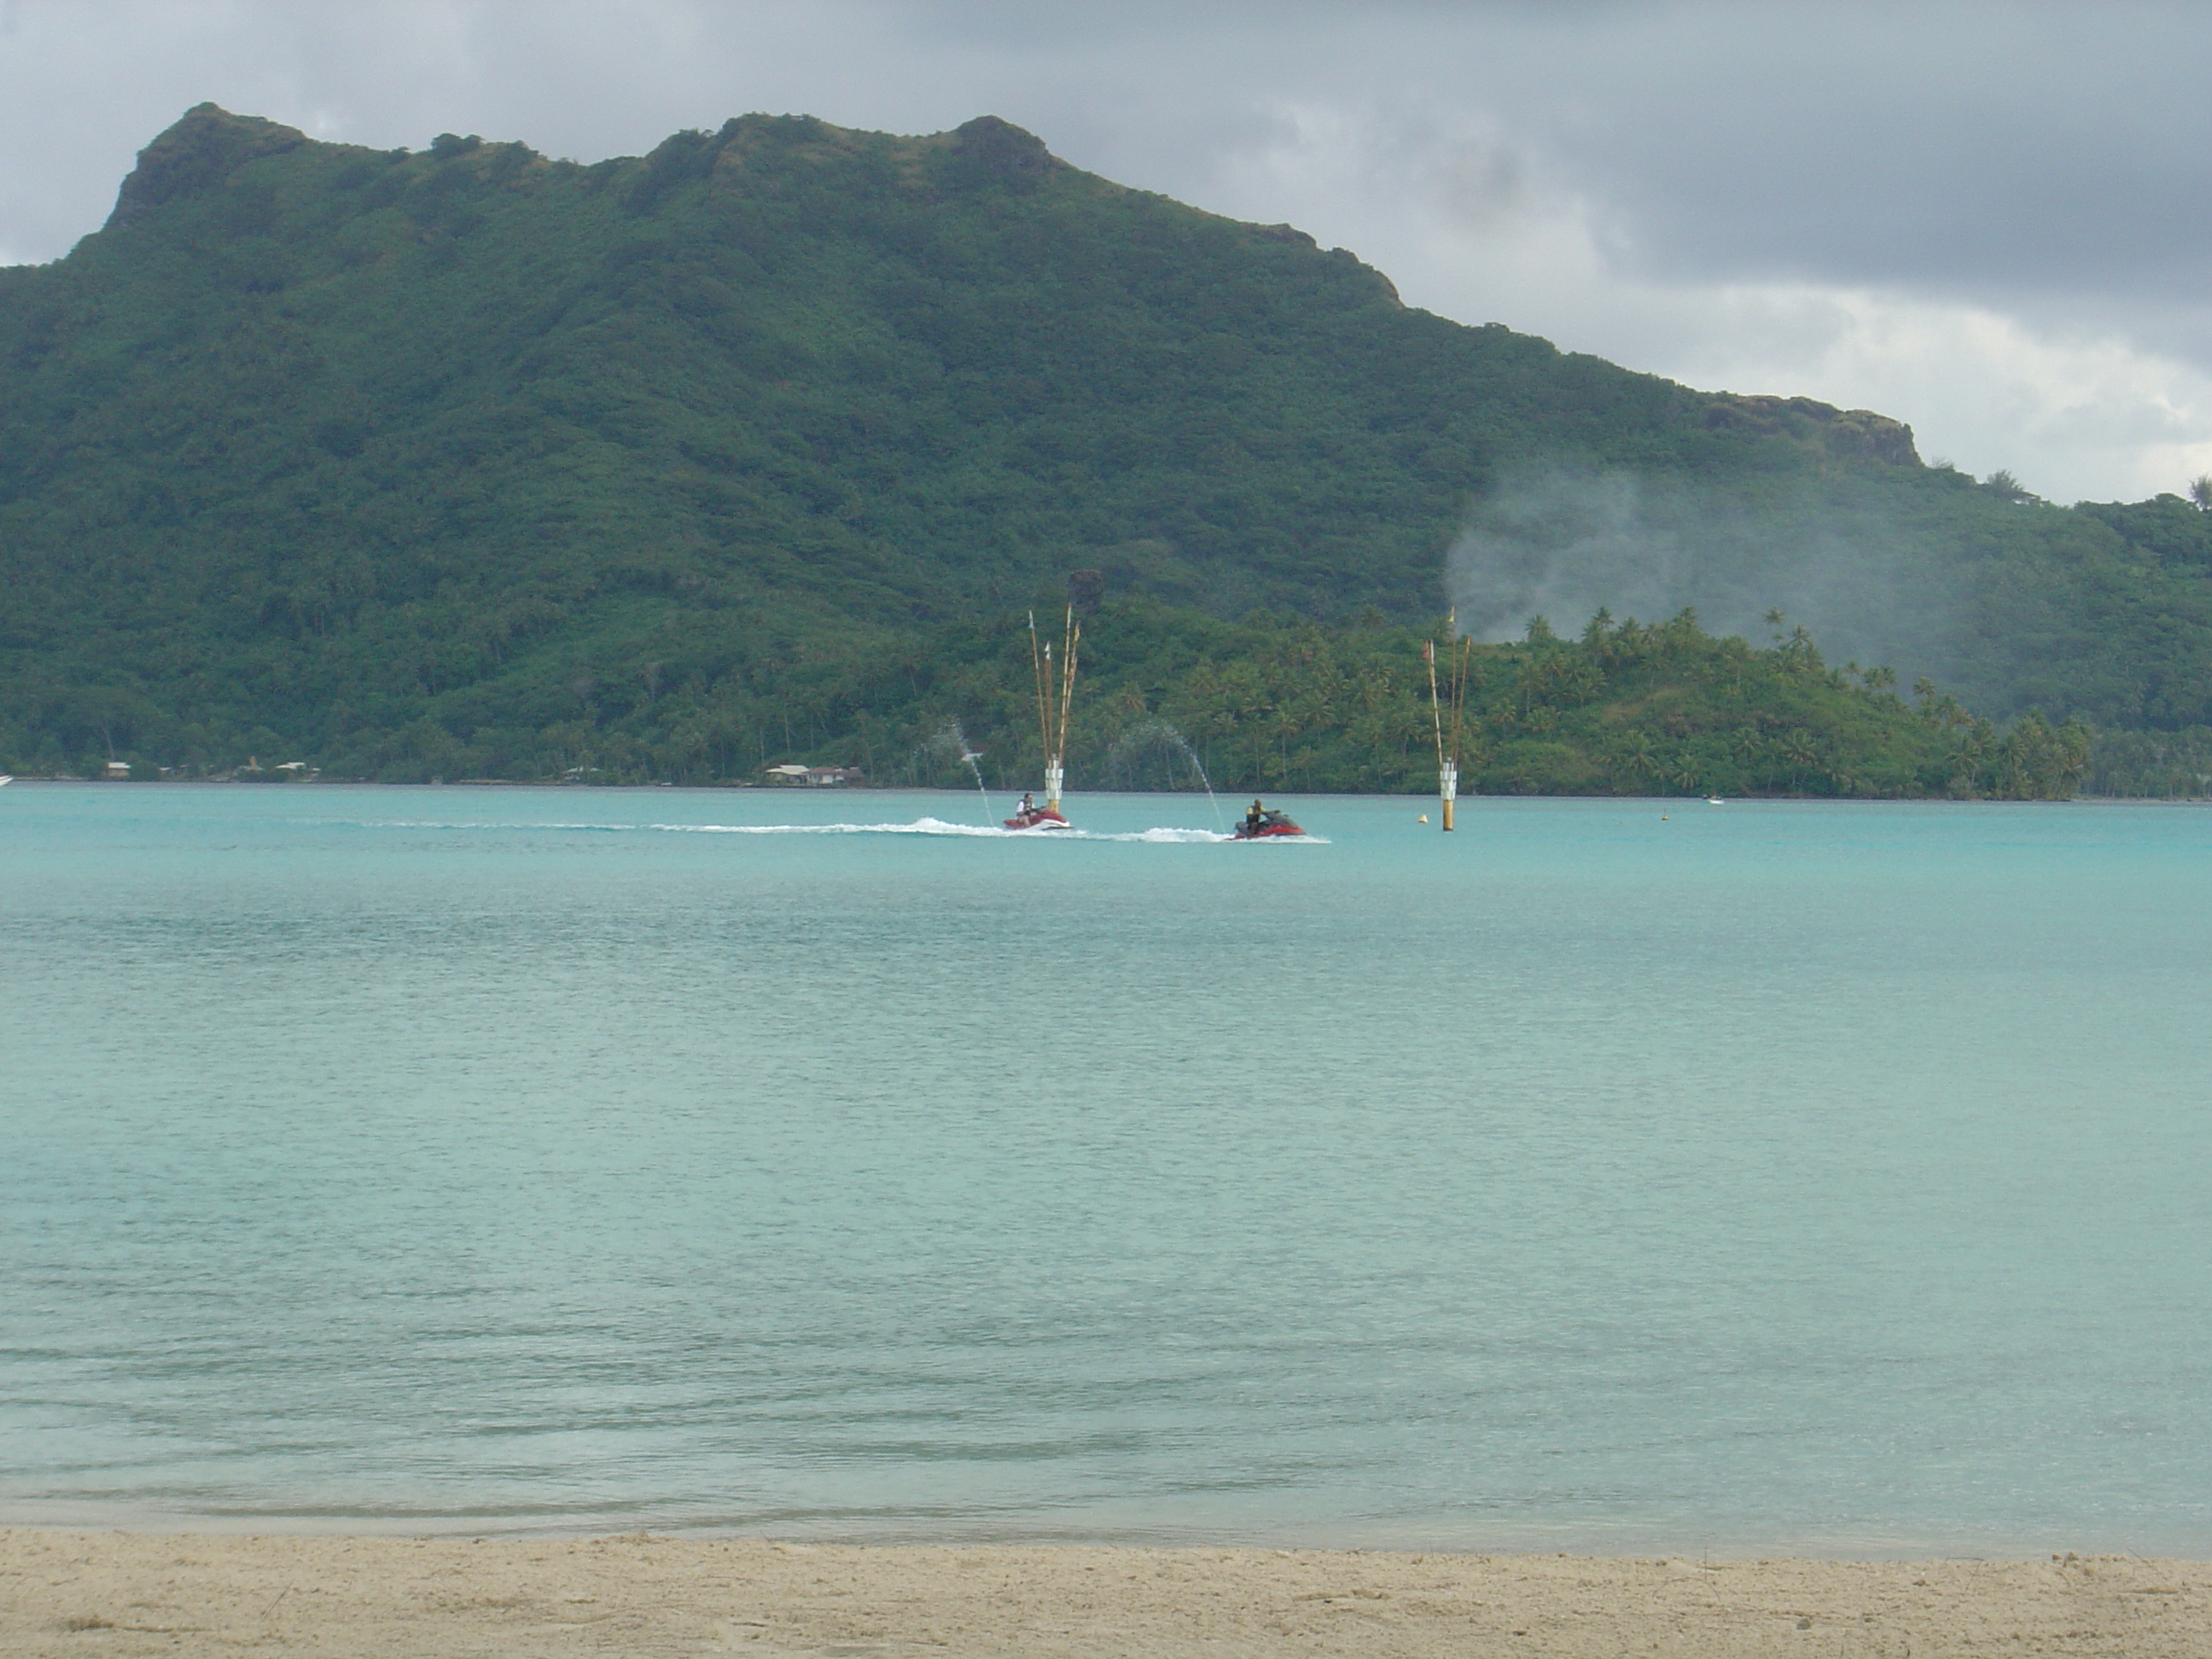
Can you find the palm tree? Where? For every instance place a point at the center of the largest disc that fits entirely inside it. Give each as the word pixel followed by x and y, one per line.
pixel 2074 745
pixel 1801 752
pixel 1636 754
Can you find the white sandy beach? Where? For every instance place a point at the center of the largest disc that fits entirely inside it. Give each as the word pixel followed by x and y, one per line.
pixel 70 1593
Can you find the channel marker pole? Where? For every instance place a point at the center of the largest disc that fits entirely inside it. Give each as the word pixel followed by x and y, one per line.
pixel 1447 771
pixel 1447 774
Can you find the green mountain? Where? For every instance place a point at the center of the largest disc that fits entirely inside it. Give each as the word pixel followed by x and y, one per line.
pixel 471 459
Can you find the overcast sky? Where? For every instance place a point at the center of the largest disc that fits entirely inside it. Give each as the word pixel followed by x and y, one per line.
pixel 1984 219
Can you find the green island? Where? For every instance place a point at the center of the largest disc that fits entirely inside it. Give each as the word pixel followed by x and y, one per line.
pixel 470 463
pixel 1172 698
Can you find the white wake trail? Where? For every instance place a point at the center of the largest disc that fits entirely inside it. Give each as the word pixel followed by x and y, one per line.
pixel 1163 835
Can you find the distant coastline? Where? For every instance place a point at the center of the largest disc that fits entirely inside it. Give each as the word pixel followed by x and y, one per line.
pixel 1413 798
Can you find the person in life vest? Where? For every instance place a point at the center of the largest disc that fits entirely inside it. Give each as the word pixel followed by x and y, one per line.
pixel 1027 805
pixel 1254 818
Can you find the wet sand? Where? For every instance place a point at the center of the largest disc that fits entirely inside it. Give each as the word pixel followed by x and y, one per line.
pixel 71 1593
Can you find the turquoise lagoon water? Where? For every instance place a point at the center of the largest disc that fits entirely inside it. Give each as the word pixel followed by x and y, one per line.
pixel 1606 1176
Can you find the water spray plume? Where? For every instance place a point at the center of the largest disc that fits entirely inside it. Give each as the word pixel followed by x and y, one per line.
pixel 952 739
pixel 1161 731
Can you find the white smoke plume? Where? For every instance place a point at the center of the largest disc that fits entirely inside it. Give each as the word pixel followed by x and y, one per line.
pixel 1563 544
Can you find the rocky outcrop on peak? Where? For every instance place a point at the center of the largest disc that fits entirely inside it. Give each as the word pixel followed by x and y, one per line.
pixel 988 148
pixel 205 145
pixel 1847 434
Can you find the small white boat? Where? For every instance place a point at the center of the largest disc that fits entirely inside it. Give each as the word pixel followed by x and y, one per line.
pixel 6 778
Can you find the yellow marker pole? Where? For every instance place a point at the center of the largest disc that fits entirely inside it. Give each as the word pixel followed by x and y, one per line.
pixel 1447 774
pixel 1448 771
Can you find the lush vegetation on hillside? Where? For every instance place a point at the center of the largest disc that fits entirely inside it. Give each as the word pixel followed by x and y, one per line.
pixel 1626 708
pixel 418 463
pixel 1172 697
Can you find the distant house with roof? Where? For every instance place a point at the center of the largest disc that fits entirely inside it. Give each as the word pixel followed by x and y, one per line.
pixel 812 776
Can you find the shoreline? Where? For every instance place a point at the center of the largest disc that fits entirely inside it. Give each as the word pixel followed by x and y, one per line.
pixel 733 786
pixel 193 1594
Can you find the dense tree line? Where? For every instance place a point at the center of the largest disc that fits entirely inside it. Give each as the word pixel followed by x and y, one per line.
pixel 1173 698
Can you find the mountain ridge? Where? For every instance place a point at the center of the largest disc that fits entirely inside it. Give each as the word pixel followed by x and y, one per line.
pixel 325 442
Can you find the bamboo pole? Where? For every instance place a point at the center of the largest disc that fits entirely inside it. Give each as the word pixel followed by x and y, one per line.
pixel 1071 638
pixel 1040 665
pixel 1055 688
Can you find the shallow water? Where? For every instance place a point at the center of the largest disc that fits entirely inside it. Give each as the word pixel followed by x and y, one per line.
pixel 1609 1175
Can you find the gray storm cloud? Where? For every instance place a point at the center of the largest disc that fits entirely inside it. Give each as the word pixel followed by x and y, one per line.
pixel 1620 176
pixel 2010 146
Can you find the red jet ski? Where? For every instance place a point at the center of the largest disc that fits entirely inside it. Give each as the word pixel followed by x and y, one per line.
pixel 1264 825
pixel 1033 817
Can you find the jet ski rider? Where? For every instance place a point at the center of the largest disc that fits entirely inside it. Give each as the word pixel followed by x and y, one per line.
pixel 1255 819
